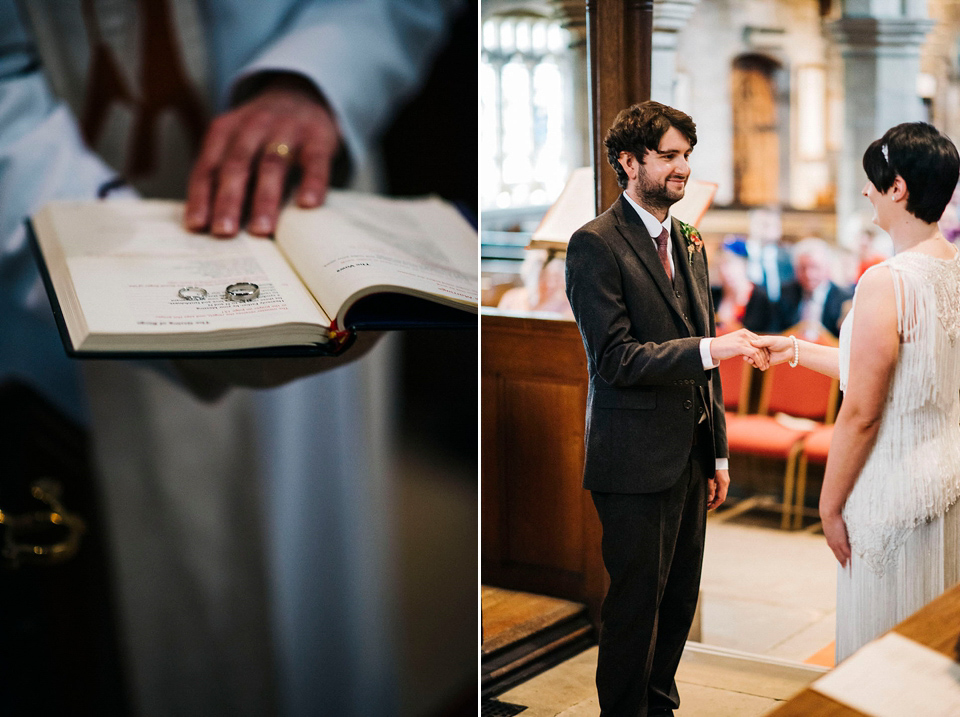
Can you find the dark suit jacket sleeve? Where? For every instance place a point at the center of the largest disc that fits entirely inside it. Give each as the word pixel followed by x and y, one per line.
pixel 595 287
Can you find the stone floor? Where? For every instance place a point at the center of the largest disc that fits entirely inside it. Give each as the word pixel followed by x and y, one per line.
pixel 767 606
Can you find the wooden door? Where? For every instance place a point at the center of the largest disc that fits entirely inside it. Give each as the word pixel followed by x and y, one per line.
pixel 756 137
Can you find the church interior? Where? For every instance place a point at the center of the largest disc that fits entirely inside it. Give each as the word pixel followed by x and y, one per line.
pixel 786 95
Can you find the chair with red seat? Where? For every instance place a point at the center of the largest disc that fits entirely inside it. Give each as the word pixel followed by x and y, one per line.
pixel 816 446
pixel 736 379
pixel 793 403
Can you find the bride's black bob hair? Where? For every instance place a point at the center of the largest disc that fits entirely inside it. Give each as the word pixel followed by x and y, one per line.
pixel 925 158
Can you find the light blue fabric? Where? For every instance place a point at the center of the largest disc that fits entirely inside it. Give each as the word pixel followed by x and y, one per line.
pixel 189 487
pixel 364 55
pixel 41 157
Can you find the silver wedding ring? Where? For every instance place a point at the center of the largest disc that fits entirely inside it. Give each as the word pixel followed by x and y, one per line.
pixel 192 293
pixel 243 291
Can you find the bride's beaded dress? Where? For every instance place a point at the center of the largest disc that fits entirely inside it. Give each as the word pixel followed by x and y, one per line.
pixel 901 517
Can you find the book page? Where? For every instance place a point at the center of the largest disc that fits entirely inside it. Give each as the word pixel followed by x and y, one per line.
pixel 128 259
pixel 574 207
pixel 358 244
pixel 697 199
pixel 894 676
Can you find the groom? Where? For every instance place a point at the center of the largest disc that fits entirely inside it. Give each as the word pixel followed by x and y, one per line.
pixel 656 450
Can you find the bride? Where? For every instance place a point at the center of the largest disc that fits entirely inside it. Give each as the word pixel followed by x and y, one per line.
pixel 889 497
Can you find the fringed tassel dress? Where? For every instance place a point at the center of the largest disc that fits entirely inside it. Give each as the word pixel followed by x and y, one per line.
pixel 902 517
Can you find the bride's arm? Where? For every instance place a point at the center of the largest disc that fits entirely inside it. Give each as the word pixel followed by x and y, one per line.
pixel 819 358
pixel 874 347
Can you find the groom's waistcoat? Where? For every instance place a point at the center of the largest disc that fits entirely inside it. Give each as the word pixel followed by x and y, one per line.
pixel 648 388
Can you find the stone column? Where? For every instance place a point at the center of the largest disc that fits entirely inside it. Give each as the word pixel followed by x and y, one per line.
pixel 573 15
pixel 881 61
pixel 669 18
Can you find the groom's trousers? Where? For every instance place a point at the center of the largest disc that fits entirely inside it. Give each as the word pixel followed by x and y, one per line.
pixel 653 551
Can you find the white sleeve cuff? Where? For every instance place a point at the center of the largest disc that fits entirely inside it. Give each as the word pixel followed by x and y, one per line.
pixel 723 464
pixel 705 357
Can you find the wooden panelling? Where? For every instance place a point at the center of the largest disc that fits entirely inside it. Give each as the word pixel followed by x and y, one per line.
pixel 539 529
pixel 540 444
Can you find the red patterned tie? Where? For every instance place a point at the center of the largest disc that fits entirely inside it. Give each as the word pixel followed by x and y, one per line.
pixel 662 252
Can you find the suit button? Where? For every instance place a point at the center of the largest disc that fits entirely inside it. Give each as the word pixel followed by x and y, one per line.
pixel 677 292
pixel 688 404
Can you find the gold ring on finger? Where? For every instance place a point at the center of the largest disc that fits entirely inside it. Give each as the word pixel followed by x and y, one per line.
pixel 280 149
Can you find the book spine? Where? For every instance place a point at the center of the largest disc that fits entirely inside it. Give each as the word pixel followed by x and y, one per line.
pixel 340 339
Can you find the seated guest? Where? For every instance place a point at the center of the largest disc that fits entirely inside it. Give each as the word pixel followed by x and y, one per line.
pixel 768 262
pixel 543 289
pixel 871 250
pixel 738 302
pixel 813 298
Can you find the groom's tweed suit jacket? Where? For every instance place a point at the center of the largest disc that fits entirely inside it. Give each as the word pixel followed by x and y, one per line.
pixel 648 388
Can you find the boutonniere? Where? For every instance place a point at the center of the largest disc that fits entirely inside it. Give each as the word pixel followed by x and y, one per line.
pixel 693 239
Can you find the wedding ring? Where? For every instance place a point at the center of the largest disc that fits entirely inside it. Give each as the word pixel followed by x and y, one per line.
pixel 192 293
pixel 243 291
pixel 278 148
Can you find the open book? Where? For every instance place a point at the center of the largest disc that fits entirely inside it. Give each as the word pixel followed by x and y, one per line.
pixel 115 271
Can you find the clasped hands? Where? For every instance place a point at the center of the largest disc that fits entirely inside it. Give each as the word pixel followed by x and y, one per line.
pixel 760 351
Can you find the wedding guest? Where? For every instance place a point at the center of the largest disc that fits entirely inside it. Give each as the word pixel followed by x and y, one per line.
pixel 769 265
pixel 872 249
pixel 813 299
pixel 738 301
pixel 543 289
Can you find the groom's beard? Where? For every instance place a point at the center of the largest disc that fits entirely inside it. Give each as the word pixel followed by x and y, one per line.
pixel 658 196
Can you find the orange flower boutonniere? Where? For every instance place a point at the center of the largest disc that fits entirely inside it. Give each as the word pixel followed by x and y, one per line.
pixel 693 239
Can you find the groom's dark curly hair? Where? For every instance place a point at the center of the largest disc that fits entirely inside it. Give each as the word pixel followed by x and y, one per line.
pixel 641 127
pixel 925 158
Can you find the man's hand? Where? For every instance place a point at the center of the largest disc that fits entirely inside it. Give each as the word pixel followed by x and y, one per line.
pixel 780 348
pixel 717 489
pixel 252 149
pixel 740 343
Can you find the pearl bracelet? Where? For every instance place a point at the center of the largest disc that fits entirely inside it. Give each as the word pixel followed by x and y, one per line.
pixel 796 352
